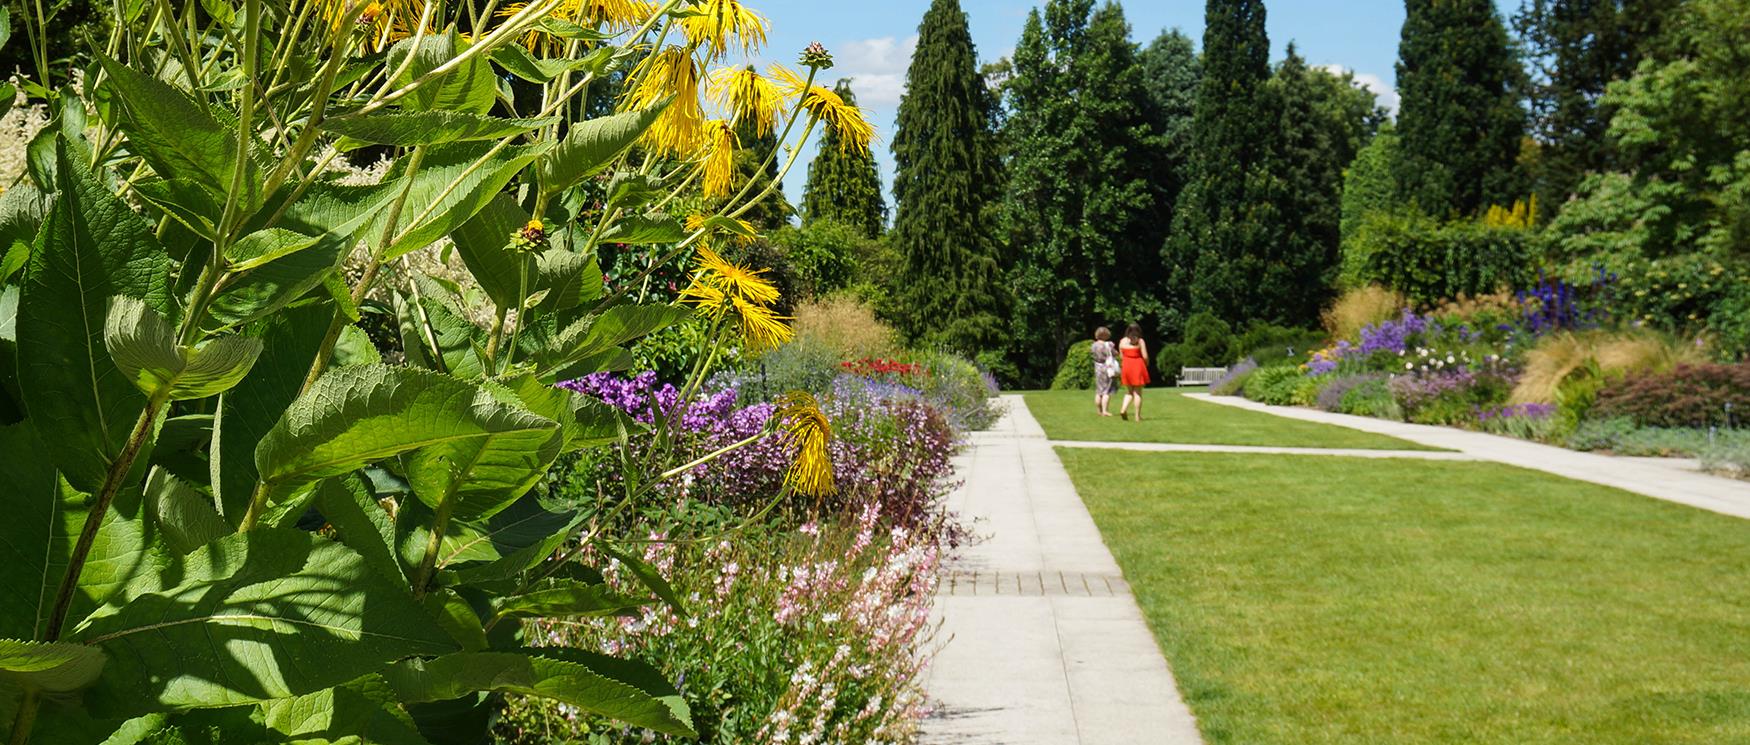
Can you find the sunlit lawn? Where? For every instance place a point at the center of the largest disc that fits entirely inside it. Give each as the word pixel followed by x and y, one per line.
pixel 1305 599
pixel 1168 416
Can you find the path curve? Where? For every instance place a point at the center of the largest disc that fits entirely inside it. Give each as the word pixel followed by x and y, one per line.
pixel 1041 639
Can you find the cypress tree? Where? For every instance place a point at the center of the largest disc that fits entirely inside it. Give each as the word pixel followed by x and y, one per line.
pixel 949 289
pixel 1219 232
pixel 1460 125
pixel 843 184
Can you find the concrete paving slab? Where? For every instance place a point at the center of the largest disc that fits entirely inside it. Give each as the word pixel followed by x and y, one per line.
pixel 1042 641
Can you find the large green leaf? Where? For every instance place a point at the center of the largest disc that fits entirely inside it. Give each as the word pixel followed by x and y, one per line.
pixel 350 508
pixel 44 518
pixel 469 88
pixel 453 183
pixel 602 332
pixel 480 476
pixel 358 415
pixel 263 246
pixel 258 292
pixel 594 145
pixel 636 230
pixel 556 598
pixel 483 243
pixel 92 248
pixel 144 346
pixel 363 711
pixel 255 616
pixel 56 667
pixel 177 136
pixel 185 517
pixel 438 317
pixel 192 204
pixel 568 279
pixel 628 691
pixel 519 62
pixel 246 413
pixel 409 128
pixel 22 209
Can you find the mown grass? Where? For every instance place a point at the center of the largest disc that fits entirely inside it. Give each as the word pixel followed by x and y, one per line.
pixel 1307 599
pixel 1168 416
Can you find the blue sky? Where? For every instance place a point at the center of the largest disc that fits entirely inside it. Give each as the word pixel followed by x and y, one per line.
pixel 872 42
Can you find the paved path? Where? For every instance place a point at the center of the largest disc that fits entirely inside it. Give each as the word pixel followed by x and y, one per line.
pixel 1042 641
pixel 1670 482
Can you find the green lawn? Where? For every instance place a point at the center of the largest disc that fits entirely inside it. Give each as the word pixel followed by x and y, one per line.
pixel 1170 417
pixel 1305 599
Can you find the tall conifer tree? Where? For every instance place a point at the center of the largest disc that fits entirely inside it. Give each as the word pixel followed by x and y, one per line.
pixel 950 286
pixel 1460 125
pixel 1171 73
pixel 843 184
pixel 1219 227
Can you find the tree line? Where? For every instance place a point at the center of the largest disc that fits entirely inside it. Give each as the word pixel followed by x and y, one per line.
pixel 1090 179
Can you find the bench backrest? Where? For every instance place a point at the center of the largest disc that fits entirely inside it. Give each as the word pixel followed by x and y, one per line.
pixel 1200 375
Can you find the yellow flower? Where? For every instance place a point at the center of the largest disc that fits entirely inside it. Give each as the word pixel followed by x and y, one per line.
pixel 806 428
pixel 762 328
pixel 719 159
pixel 735 280
pixel 714 24
pixel 608 15
pixel 670 72
pixel 829 107
pixel 383 21
pixel 752 99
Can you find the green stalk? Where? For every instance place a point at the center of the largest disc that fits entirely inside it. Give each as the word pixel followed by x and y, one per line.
pixel 26 717
pixel 522 296
pixel 433 545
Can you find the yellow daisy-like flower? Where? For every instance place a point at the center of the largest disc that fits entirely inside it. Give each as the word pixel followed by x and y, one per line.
pixel 806 428
pixel 762 328
pixel 384 21
pixel 717 24
pixel 719 158
pixel 606 15
pixel 751 98
pixel 733 279
pixel 670 72
pixel 855 131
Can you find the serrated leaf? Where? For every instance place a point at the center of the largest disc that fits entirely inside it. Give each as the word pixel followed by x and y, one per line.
pixel 629 191
pixel 480 476
pixel 186 517
pixel 246 619
pixel 22 211
pixel 519 62
pixel 359 415
pixel 55 667
pixel 644 230
pixel 602 332
pixel 263 246
pixel 593 145
pixel 92 248
pixel 349 507
pixel 649 577
pixel 563 598
pixel 259 292
pixel 627 691
pixel 483 243
pixel 410 128
pixel 195 206
pixel 177 136
pixel 569 279
pixel 248 412
pixel 468 88
pixel 354 347
pixel 457 618
pixel 144 347
pixel 449 189
pixel 437 316
pixel 364 711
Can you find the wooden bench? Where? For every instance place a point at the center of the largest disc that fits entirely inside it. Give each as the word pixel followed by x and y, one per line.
pixel 1200 375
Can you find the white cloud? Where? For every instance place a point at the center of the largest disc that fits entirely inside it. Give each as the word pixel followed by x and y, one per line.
pixel 1387 96
pixel 876 68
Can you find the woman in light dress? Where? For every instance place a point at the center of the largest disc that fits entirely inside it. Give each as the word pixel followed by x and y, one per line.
pixel 1105 371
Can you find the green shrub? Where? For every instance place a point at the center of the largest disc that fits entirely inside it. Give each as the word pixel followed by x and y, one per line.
pixel 1234 381
pixel 1077 371
pixel 1307 392
pixel 1274 385
pixel 1687 396
pixel 1208 342
pixel 1268 344
pixel 959 384
pixel 1372 398
pixel 1430 261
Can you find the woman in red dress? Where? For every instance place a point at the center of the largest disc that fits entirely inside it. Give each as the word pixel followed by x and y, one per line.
pixel 1134 369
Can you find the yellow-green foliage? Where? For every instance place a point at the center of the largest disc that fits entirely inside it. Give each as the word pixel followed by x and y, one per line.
pixel 1571 359
pixel 846 325
pixel 1360 307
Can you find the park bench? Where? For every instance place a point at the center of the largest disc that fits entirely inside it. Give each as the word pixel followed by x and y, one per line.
pixel 1200 375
